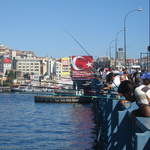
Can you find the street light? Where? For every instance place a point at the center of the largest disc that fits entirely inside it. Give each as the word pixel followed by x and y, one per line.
pixel 110 49
pixel 125 18
pixel 116 47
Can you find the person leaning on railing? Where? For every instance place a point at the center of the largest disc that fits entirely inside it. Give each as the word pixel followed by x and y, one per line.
pixel 140 94
pixel 112 81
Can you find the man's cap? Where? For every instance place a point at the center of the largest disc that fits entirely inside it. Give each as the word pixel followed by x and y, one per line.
pixel 146 76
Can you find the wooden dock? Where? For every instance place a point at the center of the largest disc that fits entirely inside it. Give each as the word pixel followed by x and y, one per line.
pixel 61 99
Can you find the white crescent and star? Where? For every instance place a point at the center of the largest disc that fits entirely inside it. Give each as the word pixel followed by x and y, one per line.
pixel 89 64
pixel 74 62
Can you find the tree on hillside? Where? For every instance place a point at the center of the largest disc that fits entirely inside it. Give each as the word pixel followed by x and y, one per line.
pixel 11 75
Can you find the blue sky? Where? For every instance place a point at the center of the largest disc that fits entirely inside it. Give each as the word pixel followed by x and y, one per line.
pixel 41 25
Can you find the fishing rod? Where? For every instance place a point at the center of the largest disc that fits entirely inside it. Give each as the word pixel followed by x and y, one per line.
pixel 81 46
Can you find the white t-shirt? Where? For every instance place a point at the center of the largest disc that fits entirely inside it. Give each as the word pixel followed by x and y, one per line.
pixel 142 94
pixel 116 81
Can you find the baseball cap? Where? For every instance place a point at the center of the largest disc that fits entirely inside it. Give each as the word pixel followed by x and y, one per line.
pixel 146 76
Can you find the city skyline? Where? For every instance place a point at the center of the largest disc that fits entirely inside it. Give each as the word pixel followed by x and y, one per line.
pixel 42 26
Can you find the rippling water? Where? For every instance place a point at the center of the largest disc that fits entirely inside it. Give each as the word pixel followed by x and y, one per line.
pixel 25 125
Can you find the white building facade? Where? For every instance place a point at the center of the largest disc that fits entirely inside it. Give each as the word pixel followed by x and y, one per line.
pixel 5 65
pixel 57 70
pixel 30 65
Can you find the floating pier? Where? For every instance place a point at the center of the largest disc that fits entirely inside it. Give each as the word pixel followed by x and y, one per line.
pixel 5 89
pixel 62 99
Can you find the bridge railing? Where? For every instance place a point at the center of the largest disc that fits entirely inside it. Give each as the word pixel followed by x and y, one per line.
pixel 117 128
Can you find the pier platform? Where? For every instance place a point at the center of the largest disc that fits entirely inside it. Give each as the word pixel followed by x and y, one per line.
pixel 61 99
pixel 5 89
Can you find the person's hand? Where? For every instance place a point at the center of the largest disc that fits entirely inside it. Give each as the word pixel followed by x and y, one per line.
pixel 124 101
pixel 108 87
pixel 124 104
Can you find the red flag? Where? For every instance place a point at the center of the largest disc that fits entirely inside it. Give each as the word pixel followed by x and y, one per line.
pixel 82 62
pixel 82 67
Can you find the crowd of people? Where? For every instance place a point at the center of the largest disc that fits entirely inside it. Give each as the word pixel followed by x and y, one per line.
pixel 134 86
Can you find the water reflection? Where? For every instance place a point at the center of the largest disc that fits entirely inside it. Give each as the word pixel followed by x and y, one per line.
pixel 28 125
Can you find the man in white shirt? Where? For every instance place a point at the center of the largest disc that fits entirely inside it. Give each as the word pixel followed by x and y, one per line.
pixel 141 95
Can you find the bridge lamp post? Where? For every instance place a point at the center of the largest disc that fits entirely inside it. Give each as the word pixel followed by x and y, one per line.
pixel 110 46
pixel 116 46
pixel 125 18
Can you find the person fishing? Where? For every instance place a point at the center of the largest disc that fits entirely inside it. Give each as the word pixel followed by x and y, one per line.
pixel 140 95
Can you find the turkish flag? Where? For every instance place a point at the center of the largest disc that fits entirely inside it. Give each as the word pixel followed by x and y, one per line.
pixel 82 63
pixel 82 67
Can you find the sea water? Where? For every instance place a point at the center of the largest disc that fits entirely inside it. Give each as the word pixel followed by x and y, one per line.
pixel 26 125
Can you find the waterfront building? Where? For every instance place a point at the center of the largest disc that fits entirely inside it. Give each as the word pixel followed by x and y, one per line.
pixel 43 65
pixel 57 69
pixel 4 50
pixel 20 53
pixel 47 67
pixel 5 65
pixel 66 67
pixel 120 53
pixel 103 62
pixel 50 67
pixel 27 65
